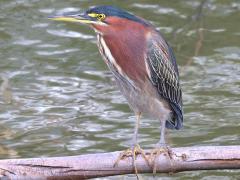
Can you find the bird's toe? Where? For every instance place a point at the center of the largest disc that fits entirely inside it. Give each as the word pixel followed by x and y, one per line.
pixel 157 151
pixel 133 152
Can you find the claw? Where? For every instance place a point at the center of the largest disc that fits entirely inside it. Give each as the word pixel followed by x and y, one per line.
pixel 122 156
pixel 160 149
pixel 133 152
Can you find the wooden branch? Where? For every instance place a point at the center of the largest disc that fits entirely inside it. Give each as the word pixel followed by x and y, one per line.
pixel 99 165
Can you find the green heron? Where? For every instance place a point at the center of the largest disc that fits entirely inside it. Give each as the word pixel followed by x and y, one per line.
pixel 142 63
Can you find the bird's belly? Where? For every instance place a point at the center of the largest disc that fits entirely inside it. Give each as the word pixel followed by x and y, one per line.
pixel 145 100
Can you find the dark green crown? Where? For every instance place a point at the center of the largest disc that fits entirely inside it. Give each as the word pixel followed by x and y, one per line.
pixel 114 11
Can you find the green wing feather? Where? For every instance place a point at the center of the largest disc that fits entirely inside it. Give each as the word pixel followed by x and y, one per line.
pixel 164 76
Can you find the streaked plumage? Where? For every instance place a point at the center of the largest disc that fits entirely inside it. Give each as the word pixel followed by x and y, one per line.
pixel 165 77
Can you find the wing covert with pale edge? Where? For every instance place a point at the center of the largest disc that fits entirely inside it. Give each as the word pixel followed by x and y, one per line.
pixel 164 76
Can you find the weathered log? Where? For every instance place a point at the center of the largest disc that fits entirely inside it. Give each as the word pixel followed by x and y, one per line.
pixel 100 165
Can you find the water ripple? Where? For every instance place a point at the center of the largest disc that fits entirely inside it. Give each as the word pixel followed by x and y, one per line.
pixel 26 42
pixel 56 52
pixel 71 34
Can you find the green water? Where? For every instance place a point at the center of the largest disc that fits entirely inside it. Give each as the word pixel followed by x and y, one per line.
pixel 58 98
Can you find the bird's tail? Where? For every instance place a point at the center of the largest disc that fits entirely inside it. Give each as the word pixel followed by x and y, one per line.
pixel 176 121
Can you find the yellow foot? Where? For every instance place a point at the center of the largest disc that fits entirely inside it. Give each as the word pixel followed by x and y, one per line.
pixel 132 152
pixel 155 153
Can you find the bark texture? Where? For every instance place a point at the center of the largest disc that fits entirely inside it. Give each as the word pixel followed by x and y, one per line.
pixel 100 165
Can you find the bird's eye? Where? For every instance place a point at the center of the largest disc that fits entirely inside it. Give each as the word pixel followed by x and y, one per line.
pixel 101 17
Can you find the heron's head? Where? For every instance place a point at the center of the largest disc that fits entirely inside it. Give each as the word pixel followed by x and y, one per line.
pixel 103 18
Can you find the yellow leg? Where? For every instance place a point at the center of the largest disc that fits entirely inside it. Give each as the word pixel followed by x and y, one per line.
pixel 161 148
pixel 135 150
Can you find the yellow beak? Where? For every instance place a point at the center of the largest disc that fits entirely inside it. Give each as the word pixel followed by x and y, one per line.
pixel 84 19
pixel 71 19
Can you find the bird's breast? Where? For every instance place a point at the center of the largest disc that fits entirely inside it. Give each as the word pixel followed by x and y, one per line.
pixel 112 64
pixel 125 54
pixel 141 95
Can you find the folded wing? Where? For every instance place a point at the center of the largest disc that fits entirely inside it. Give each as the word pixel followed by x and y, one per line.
pixel 165 77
